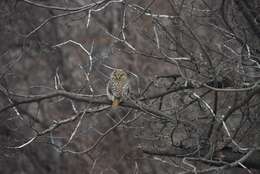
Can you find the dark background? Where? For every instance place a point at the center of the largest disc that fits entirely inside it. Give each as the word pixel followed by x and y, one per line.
pixel 193 65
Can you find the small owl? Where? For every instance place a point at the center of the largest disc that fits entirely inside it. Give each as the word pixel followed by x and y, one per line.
pixel 117 86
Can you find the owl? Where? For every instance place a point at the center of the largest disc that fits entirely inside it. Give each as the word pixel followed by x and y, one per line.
pixel 117 86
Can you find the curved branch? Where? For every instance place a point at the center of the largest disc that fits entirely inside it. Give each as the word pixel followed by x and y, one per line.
pixel 101 99
pixel 56 7
pixel 55 125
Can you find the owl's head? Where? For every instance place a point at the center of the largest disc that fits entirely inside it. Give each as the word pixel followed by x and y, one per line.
pixel 119 75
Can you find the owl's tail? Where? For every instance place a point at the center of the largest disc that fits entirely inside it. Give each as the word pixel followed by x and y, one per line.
pixel 115 103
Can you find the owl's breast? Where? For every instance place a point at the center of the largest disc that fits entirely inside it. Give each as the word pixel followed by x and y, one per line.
pixel 118 88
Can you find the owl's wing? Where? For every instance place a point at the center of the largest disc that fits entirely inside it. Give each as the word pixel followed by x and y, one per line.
pixel 109 91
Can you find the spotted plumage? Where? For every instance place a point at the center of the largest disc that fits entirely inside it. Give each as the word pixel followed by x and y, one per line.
pixel 117 86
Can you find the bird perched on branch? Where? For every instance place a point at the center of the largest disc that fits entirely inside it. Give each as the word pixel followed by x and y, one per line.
pixel 117 86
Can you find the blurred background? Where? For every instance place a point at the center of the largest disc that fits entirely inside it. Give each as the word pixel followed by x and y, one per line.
pixel 194 73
